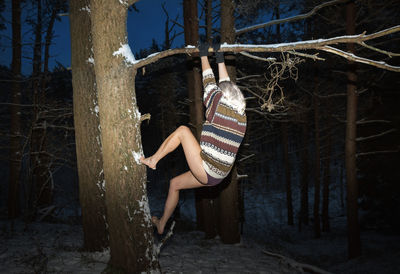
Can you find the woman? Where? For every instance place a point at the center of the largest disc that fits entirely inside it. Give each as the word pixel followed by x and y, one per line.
pixel 223 131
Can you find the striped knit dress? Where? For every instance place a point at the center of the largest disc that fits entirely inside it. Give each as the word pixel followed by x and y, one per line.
pixel 223 131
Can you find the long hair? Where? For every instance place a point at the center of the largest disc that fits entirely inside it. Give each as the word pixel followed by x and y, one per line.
pixel 233 96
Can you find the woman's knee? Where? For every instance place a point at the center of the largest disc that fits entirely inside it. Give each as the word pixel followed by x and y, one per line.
pixel 173 185
pixel 182 130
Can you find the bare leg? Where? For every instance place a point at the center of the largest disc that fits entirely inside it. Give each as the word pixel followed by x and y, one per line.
pixel 183 181
pixel 191 148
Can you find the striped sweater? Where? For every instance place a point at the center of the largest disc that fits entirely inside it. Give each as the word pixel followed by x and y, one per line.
pixel 223 131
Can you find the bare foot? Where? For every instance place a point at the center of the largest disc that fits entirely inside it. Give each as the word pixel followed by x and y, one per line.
pixel 148 162
pixel 157 223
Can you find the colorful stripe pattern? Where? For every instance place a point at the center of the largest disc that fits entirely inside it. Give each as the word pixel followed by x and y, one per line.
pixel 222 133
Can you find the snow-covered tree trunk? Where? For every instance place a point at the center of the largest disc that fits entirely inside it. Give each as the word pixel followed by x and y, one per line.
pixel 128 212
pixel 87 129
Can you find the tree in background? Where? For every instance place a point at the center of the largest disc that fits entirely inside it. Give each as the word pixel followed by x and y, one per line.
pixel 87 129
pixel 15 112
pixel 353 229
pixel 228 211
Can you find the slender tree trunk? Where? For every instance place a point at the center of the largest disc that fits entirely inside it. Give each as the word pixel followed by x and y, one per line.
pixel 205 204
pixel 229 215
pixel 40 190
pixel 208 6
pixel 317 177
pixel 286 160
pixel 304 174
pixel 353 229
pixel 326 182
pixel 128 213
pixel 15 114
pixel 87 129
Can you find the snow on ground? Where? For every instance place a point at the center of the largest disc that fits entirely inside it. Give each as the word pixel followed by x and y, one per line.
pixel 55 247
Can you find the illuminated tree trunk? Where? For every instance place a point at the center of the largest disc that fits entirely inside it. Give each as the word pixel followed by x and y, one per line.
pixel 353 229
pixel 15 112
pixel 87 129
pixel 128 212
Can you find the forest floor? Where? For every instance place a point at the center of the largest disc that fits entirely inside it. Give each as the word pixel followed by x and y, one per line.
pixel 55 248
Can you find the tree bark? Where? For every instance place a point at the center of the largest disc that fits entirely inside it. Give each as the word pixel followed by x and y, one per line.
pixel 205 204
pixel 229 215
pixel 87 130
pixel 15 114
pixel 303 219
pixel 287 166
pixel 317 171
pixel 128 213
pixel 208 7
pixel 326 181
pixel 353 229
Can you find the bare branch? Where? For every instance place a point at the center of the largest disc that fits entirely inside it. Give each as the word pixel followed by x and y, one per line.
pixel 246 157
pixel 296 265
pixel 289 19
pixel 311 56
pixel 269 59
pixel 388 53
pixel 376 152
pixel 363 121
pixel 358 59
pixel 376 135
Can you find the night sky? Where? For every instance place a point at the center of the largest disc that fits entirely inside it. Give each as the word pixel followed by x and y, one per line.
pixel 142 28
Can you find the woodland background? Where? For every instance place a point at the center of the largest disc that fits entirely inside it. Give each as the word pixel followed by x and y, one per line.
pixel 294 150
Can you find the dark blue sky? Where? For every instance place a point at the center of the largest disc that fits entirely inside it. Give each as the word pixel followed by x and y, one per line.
pixel 142 28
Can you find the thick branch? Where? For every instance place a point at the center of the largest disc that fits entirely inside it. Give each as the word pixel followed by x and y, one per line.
pixel 319 44
pixel 289 19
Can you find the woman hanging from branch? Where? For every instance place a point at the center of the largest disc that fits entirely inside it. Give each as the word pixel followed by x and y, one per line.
pixel 223 131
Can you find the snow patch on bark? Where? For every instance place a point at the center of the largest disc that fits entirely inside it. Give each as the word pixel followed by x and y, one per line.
pixel 87 9
pixel 124 3
pixel 137 156
pixel 90 60
pixel 126 53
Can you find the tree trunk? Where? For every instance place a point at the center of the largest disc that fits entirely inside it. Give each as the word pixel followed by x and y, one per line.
pixel 208 7
pixel 326 182
pixel 40 189
pixel 286 160
pixel 303 219
pixel 317 171
pixel 87 129
pixel 229 216
pixel 205 204
pixel 128 213
pixel 353 229
pixel 15 114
